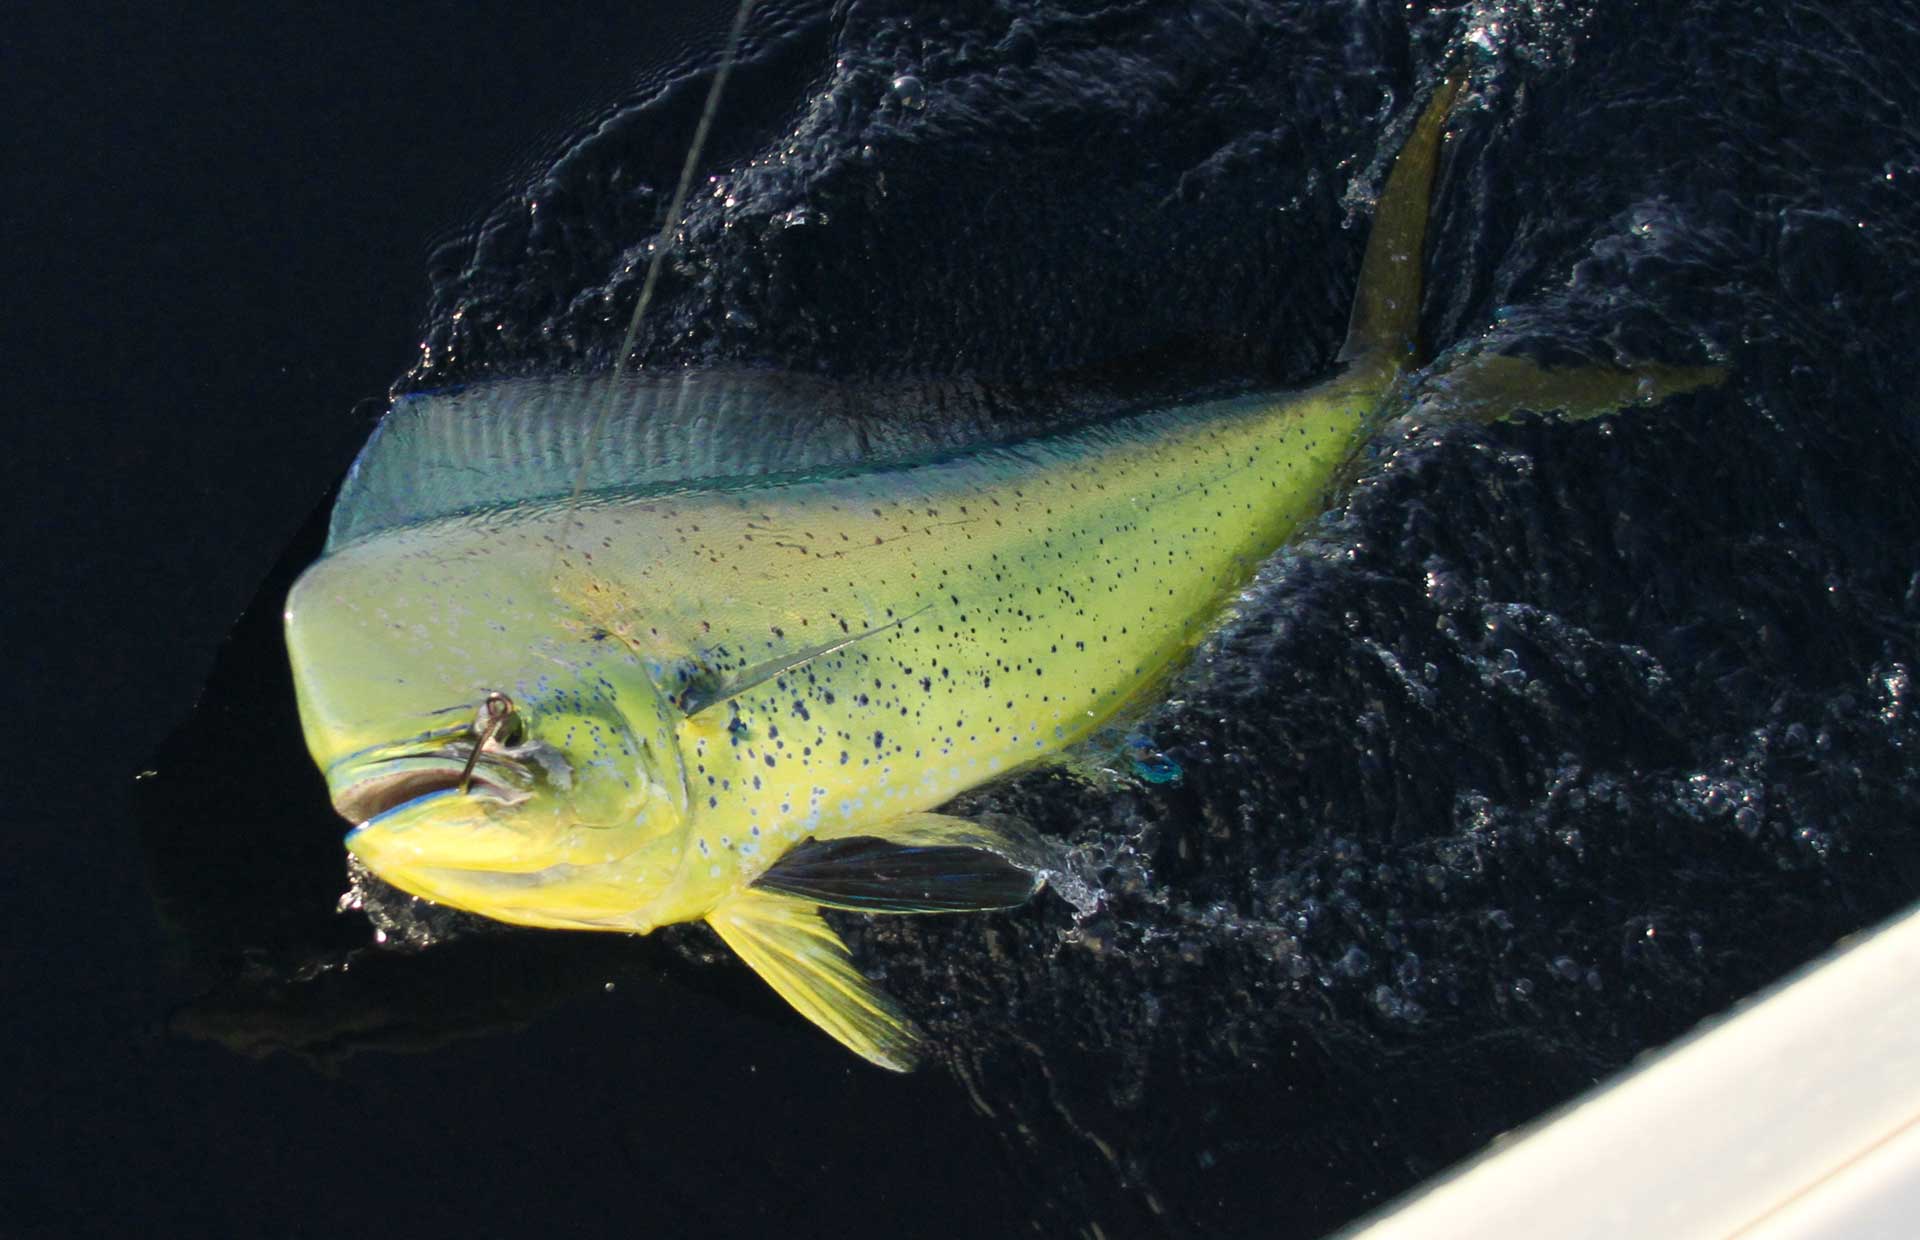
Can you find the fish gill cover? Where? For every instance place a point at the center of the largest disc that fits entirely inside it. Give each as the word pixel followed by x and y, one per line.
pixel 1551 740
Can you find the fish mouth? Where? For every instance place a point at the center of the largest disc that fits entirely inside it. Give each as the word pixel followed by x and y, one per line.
pixel 400 781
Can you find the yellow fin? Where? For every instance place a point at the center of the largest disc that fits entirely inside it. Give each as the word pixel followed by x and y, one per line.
pixel 799 955
pixel 1488 386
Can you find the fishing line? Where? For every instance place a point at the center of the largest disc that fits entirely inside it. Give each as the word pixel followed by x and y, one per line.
pixel 728 55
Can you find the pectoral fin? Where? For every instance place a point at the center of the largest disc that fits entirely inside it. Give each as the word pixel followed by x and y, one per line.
pixel 800 956
pixel 707 691
pixel 1485 387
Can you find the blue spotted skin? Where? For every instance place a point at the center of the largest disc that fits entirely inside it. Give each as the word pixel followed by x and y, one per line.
pixel 1012 603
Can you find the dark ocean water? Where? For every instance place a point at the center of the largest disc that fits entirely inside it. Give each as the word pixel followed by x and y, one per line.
pixel 1550 741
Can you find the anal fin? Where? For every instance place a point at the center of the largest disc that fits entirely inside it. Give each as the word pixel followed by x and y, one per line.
pixel 918 863
pixel 799 955
pixel 871 875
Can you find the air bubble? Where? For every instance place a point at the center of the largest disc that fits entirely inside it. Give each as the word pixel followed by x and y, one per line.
pixel 908 92
pixel 1896 685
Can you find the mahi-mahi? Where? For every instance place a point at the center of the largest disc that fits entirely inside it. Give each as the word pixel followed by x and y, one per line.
pixel 742 699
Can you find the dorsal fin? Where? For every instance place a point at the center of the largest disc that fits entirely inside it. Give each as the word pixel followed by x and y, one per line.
pixel 488 446
pixel 518 441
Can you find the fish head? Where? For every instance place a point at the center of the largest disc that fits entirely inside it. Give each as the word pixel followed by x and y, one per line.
pixel 487 757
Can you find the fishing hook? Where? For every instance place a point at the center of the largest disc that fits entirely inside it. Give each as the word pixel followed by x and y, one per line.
pixel 497 712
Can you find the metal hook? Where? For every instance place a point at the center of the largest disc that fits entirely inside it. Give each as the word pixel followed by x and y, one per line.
pixel 498 709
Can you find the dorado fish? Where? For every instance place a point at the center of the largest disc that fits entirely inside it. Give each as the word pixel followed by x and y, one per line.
pixel 746 696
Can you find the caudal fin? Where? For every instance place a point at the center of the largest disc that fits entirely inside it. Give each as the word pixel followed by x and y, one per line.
pixel 1386 304
pixel 1473 383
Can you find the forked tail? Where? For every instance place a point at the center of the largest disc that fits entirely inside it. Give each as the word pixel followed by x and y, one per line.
pixel 1471 383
